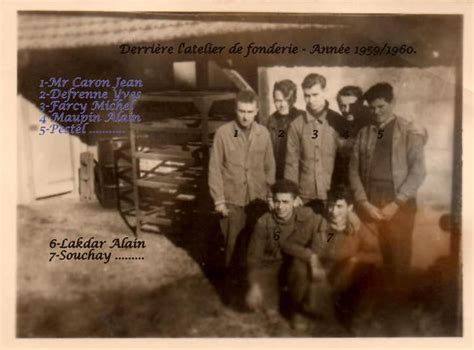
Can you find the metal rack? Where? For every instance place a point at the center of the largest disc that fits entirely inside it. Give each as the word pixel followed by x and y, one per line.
pixel 169 162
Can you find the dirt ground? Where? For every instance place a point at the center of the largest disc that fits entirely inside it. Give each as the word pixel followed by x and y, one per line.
pixel 171 292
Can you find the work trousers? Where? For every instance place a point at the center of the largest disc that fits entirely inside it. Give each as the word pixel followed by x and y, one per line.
pixel 395 235
pixel 268 279
pixel 238 225
pixel 309 296
pixel 331 297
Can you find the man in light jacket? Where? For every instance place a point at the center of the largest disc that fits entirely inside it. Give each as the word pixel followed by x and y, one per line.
pixel 312 145
pixel 241 168
pixel 386 169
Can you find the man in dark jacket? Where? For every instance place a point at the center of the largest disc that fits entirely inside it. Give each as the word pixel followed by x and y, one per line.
pixel 284 98
pixel 264 259
pixel 312 145
pixel 355 115
pixel 386 169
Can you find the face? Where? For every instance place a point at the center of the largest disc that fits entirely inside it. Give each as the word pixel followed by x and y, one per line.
pixel 381 110
pixel 284 205
pixel 347 104
pixel 339 212
pixel 281 104
pixel 246 113
pixel 314 97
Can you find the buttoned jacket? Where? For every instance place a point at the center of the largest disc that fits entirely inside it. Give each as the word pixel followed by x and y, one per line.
pixel 407 159
pixel 241 169
pixel 311 151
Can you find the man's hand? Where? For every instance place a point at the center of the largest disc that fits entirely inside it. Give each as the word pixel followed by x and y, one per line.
pixel 390 210
pixel 254 298
pixel 371 210
pixel 298 202
pixel 222 209
pixel 317 271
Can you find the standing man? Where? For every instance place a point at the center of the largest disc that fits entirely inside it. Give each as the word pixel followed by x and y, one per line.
pixel 241 168
pixel 386 169
pixel 354 114
pixel 312 145
pixel 284 98
pixel 354 117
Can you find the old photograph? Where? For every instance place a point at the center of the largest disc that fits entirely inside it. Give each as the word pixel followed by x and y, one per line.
pixel 216 175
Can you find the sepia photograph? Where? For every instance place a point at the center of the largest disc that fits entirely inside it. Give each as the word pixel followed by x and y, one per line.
pixel 238 175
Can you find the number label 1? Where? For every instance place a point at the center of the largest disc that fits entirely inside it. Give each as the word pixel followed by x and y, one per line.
pixel 236 133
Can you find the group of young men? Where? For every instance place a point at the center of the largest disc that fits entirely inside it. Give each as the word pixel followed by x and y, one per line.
pixel 340 190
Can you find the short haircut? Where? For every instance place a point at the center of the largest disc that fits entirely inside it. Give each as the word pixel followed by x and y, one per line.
pixel 350 90
pixel 340 192
pixel 246 96
pixel 287 88
pixel 313 79
pixel 285 186
pixel 380 90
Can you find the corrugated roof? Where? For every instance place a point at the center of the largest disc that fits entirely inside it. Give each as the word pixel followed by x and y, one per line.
pixel 37 31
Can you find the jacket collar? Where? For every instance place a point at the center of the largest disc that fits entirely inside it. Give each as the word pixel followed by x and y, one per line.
pixel 253 129
pixel 388 121
pixel 374 126
pixel 320 116
pixel 353 225
pixel 299 216
pixel 272 122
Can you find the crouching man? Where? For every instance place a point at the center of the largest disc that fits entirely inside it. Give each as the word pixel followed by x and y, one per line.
pixel 265 259
pixel 328 259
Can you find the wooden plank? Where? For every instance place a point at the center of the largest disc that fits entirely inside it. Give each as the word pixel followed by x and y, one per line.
pixel 152 220
pixel 164 157
pixel 135 170
pixel 155 184
pixel 159 128
pixel 86 177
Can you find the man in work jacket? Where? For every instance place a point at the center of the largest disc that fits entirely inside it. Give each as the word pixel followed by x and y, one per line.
pixel 264 258
pixel 386 169
pixel 329 257
pixel 241 168
pixel 312 145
